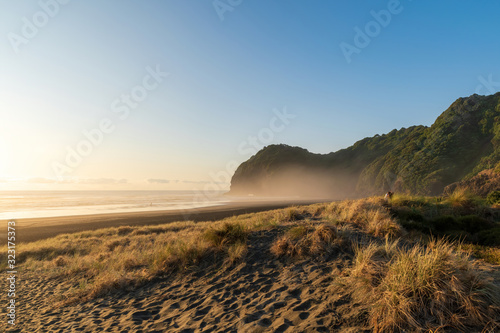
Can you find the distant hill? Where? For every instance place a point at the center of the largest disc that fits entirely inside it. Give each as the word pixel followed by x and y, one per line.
pixel 463 141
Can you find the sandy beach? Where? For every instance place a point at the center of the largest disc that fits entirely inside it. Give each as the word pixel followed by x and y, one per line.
pixel 33 229
pixel 297 269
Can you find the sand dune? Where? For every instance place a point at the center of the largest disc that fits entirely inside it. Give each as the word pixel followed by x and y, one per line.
pixel 261 294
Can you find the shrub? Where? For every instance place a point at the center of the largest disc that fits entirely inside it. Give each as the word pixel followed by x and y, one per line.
pixel 400 200
pixel 409 215
pixel 423 227
pixel 489 237
pixel 493 198
pixel 474 223
pixel 445 223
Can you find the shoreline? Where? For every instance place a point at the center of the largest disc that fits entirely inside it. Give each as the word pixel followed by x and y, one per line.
pixel 33 229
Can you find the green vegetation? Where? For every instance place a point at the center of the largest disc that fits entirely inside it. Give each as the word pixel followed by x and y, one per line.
pixel 460 216
pixel 493 198
pixel 462 142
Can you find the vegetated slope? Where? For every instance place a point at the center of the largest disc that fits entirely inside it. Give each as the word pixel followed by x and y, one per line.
pixel 482 184
pixel 463 141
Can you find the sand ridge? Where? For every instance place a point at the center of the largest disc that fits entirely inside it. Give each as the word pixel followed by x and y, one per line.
pixel 259 294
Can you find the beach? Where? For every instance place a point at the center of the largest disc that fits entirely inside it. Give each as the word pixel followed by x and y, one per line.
pixel 248 267
pixel 33 229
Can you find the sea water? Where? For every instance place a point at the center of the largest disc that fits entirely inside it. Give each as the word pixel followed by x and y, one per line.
pixel 32 204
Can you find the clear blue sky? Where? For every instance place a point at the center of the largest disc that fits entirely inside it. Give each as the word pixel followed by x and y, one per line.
pixel 225 79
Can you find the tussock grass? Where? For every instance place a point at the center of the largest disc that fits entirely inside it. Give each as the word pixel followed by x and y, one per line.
pixel 368 214
pixel 236 252
pixel 290 214
pixel 228 234
pixel 462 197
pixel 303 241
pixel 422 288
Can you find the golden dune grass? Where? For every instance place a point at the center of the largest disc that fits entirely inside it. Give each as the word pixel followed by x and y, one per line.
pixel 302 241
pixel 422 288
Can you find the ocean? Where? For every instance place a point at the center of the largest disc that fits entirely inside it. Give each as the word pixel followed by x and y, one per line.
pixel 32 204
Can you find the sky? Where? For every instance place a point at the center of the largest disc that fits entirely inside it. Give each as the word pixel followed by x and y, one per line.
pixel 174 95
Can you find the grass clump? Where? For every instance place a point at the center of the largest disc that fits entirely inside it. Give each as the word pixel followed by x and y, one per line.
pixel 462 197
pixel 290 214
pixel 301 241
pixel 488 254
pixel 180 256
pixel 368 214
pixel 489 237
pixel 422 288
pixel 231 238
pixel 226 235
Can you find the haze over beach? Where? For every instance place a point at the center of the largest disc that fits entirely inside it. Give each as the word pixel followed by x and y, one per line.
pixel 249 166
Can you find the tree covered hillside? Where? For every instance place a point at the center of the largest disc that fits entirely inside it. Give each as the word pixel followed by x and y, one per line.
pixel 463 141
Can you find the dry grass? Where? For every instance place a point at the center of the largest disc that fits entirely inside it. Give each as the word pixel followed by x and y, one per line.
pixel 119 258
pixel 226 235
pixel 303 241
pixel 462 197
pixel 230 238
pixel 101 261
pixel 368 214
pixel 422 288
pixel 489 254
pixel 290 214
